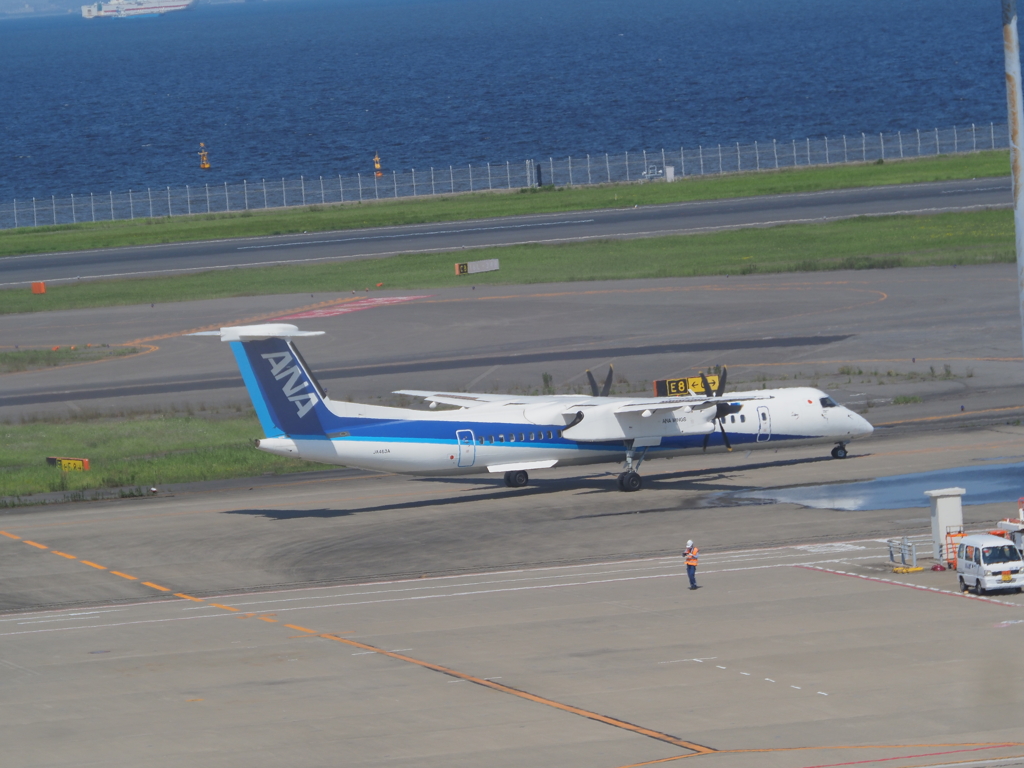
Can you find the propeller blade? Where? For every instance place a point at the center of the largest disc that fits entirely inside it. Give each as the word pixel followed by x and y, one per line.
pixel 707 387
pixel 593 383
pixel 721 383
pixel 608 382
pixel 725 437
pixel 706 438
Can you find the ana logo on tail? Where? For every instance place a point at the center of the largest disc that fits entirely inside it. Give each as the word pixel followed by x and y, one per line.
pixel 293 387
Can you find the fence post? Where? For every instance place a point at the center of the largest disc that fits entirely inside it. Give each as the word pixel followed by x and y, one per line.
pixel 663 160
pixel 627 165
pixel 376 193
pixel 570 170
pixel 359 176
pixel 227 200
pixel 264 195
pixel 900 135
pixel 111 206
pixel 936 141
pixel 607 168
pixel 170 211
pixel 470 166
pixel 863 148
pixel 394 178
pixel 508 173
pixel 845 158
pixel 433 189
pixel 16 211
pixel 720 171
pixel 322 201
pixel 826 151
pixel 700 152
pixel 35 217
pixel 451 178
pixel 956 141
pixel 489 185
pixel 551 164
pixel 341 188
pixel 738 166
pixel 284 196
pixel 808 150
pixel 589 181
pixel 682 163
pixel 974 138
pixel 881 143
pixel 131 205
pixel 53 207
pixel 757 156
pixel 149 193
pixel 92 206
pixel 74 216
pixel 918 142
pixel 414 182
pixel 208 195
pixel 245 191
pixel 188 198
pixel 992 128
pixel 775 152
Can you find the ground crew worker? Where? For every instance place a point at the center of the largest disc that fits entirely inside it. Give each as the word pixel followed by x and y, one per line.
pixel 690 553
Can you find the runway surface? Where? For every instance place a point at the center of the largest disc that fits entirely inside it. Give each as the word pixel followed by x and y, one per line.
pixel 647 221
pixel 349 617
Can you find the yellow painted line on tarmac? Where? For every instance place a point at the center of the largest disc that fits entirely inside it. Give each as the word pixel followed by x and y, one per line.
pixel 10 535
pixel 183 596
pixel 35 544
pixel 63 554
pixel 93 565
pixel 223 607
pixel 125 575
pixel 301 629
pixel 264 618
pixel 155 586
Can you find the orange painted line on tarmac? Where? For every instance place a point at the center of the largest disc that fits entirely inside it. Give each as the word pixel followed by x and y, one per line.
pixel 155 586
pixel 93 565
pixel 10 535
pixel 223 607
pixel 300 629
pixel 64 554
pixel 615 722
pixel 35 544
pixel 264 618
pixel 189 597
pixel 125 575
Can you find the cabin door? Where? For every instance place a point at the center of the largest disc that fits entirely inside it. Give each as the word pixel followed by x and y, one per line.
pixel 467 447
pixel 764 424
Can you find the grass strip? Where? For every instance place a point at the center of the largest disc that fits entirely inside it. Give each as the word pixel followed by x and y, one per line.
pixel 141 451
pixel 70 237
pixel 16 361
pixel 980 237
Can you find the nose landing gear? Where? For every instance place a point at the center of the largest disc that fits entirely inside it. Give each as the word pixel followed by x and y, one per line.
pixel 839 452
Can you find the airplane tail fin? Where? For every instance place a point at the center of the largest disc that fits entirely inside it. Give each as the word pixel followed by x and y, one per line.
pixel 287 397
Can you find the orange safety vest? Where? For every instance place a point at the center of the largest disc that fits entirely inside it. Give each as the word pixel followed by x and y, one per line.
pixel 691 556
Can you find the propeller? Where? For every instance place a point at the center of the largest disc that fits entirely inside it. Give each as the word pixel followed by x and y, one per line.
pixel 722 409
pixel 607 383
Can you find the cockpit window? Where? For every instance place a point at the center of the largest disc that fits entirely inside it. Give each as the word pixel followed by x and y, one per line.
pixel 828 402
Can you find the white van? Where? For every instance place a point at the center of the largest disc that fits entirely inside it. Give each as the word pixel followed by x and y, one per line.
pixel 989 562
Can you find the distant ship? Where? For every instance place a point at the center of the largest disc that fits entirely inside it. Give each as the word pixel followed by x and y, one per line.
pixel 123 8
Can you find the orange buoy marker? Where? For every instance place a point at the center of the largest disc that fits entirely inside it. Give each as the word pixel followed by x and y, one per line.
pixel 39 287
pixel 376 165
pixel 204 157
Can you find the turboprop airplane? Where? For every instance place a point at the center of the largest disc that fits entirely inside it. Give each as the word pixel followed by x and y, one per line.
pixel 513 435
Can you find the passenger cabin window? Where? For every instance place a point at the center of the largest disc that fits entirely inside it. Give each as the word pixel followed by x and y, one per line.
pixel 522 437
pixel 490 439
pixel 512 437
pixel 743 418
pixel 828 402
pixel 550 436
pixel 764 416
pixel 501 438
pixel 732 419
pixel 480 440
pixel 531 436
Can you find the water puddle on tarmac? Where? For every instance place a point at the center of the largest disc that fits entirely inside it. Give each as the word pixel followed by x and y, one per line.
pixel 985 484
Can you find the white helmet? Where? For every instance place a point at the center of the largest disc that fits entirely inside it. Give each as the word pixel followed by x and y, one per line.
pixel 689 543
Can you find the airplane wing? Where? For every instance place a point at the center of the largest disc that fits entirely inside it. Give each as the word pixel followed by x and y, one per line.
pixel 463 399
pixel 673 403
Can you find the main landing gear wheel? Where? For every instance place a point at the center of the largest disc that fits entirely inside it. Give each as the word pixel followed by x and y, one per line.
pixel 516 479
pixel 630 481
pixel 839 452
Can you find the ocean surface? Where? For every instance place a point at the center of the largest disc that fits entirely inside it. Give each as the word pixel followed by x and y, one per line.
pixel 317 87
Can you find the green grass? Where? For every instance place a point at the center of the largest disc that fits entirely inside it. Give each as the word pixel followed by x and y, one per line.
pixel 485 205
pixel 33 359
pixel 980 237
pixel 141 451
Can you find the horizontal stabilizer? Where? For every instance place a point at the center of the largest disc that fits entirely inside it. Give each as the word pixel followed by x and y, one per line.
pixel 258 332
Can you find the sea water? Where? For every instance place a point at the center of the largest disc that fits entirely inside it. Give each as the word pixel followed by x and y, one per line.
pixel 318 86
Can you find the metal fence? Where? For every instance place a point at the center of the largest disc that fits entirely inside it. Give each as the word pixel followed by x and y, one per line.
pixel 638 166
